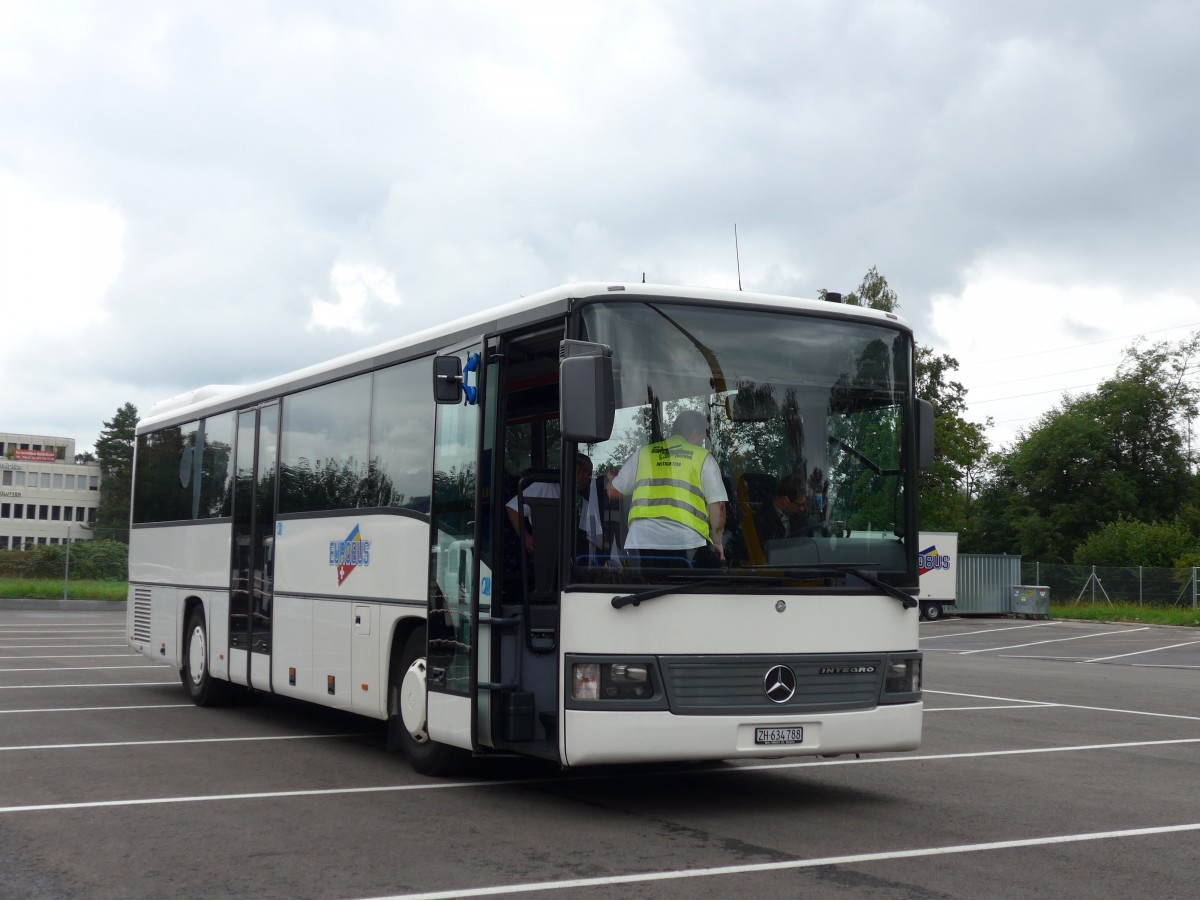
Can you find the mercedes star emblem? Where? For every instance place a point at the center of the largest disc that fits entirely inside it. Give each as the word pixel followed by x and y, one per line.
pixel 779 684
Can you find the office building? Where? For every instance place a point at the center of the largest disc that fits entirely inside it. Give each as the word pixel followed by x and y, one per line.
pixel 45 497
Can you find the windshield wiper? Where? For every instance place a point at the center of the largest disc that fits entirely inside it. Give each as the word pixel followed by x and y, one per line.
pixel 906 600
pixel 692 587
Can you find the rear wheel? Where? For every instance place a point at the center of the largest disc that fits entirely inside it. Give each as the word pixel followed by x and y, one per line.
pixel 407 726
pixel 204 689
pixel 931 611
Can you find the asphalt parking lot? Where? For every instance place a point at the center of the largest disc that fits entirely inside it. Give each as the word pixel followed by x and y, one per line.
pixel 1059 759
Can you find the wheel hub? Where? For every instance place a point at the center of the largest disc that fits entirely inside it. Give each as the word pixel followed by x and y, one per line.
pixel 196 656
pixel 412 702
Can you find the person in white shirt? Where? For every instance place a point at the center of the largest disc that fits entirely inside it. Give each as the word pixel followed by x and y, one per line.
pixel 678 495
pixel 583 475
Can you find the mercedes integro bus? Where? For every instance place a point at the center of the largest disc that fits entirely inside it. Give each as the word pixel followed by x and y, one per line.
pixel 342 534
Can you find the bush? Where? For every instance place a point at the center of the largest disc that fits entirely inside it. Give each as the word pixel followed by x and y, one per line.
pixel 100 560
pixel 1127 542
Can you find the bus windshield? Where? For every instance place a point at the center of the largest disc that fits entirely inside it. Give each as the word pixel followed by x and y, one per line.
pixel 806 418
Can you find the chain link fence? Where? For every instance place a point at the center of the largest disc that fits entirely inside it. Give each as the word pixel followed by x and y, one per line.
pixel 1115 585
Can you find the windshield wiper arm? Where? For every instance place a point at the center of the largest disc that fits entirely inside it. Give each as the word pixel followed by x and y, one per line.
pixel 906 600
pixel 691 587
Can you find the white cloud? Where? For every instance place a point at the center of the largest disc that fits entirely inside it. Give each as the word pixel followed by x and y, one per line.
pixel 58 258
pixel 356 287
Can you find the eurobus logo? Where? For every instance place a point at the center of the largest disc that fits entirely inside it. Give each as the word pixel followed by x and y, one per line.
pixel 930 559
pixel 349 554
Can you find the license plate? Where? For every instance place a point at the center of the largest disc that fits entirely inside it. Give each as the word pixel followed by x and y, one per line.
pixel 779 735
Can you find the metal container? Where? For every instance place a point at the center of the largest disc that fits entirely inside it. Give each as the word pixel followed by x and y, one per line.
pixel 1031 600
pixel 984 583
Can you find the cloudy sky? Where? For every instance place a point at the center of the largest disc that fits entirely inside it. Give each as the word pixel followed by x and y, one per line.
pixel 208 192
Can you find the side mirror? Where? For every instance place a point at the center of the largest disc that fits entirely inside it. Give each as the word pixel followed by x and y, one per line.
pixel 447 379
pixel 924 435
pixel 587 399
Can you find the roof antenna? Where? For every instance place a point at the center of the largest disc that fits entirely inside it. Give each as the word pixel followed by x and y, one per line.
pixel 737 255
pixel 643 278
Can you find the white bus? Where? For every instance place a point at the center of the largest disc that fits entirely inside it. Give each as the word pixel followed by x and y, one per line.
pixel 339 534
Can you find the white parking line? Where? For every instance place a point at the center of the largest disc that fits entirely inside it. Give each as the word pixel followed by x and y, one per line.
pixel 451 785
pixel 788 865
pixel 58 637
pixel 1078 637
pixel 67 625
pixel 1140 652
pixel 1127 712
pixel 225 740
pixel 78 668
pixel 34 687
pixel 59 709
pixel 75 656
pixel 1003 706
pixel 1160 666
pixel 953 634
pixel 56 646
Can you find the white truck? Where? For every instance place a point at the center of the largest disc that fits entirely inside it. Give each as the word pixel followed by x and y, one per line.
pixel 937 563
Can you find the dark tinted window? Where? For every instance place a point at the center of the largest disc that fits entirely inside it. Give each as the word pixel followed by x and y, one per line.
pixel 324 452
pixel 163 487
pixel 215 473
pixel 402 436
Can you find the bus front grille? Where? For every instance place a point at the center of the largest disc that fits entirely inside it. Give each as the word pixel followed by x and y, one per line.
pixel 733 685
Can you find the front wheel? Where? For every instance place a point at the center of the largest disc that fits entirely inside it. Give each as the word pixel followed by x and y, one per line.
pixel 407 726
pixel 931 611
pixel 204 689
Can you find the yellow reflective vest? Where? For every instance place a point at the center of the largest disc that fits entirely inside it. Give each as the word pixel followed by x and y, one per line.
pixel 667 484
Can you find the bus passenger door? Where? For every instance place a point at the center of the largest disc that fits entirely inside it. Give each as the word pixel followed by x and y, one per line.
pixel 519 617
pixel 453 585
pixel 252 566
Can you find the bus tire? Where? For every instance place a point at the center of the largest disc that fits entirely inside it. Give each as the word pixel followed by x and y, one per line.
pixel 407 728
pixel 204 689
pixel 931 611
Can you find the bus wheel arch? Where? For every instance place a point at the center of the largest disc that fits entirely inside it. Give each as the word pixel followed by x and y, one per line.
pixel 406 724
pixel 204 688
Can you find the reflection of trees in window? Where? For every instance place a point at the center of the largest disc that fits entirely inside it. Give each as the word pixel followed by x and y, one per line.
pixel 325 484
pixel 455 492
pixel 399 471
pixel 162 488
pixel 216 483
pixel 865 426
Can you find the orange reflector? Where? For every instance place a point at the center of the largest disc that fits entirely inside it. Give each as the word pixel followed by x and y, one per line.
pixel 365 688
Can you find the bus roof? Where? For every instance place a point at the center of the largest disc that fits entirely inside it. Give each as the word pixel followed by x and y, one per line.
pixel 528 310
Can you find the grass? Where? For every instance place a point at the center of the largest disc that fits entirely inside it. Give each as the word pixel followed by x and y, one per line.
pixel 1127 612
pixel 52 589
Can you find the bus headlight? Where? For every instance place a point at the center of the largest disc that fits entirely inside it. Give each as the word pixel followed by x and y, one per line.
pixel 613 681
pixel 903 676
pixel 585 681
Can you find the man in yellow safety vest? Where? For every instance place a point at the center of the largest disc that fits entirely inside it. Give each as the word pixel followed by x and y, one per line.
pixel 678 496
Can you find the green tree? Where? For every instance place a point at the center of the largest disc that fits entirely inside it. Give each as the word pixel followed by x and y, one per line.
pixel 873 292
pixel 114 453
pixel 1119 452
